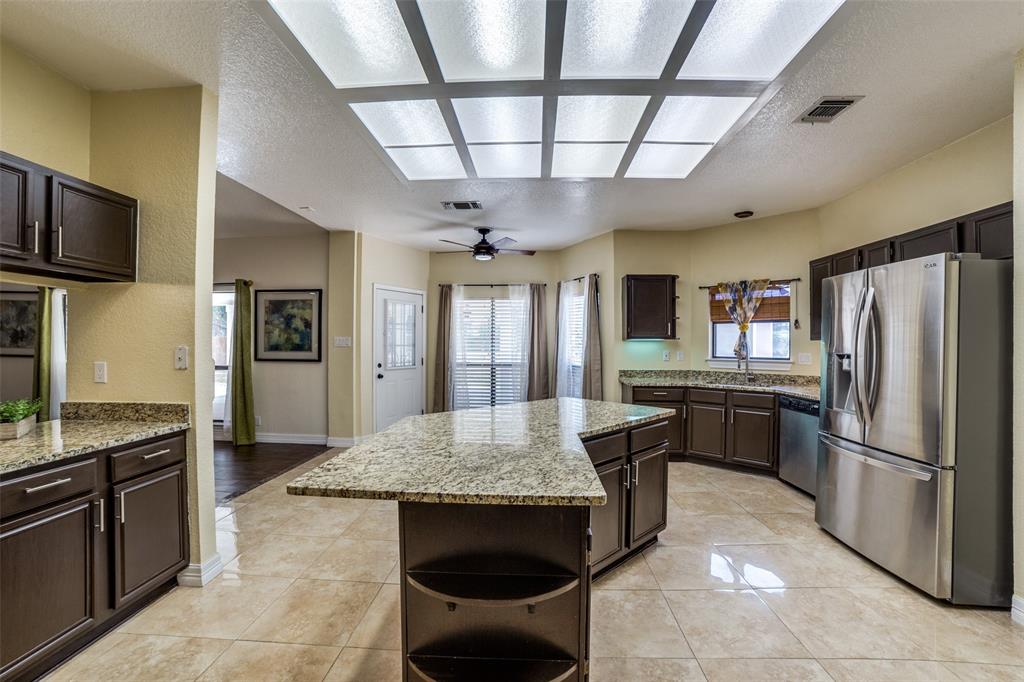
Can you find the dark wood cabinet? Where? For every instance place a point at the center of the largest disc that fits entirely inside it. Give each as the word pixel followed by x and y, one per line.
pixel 846 261
pixel 876 253
pixel 820 270
pixel 19 222
pixel 705 432
pixel 676 426
pixel 649 306
pixel 751 433
pixel 990 232
pixel 608 522
pixel 649 497
pixel 940 238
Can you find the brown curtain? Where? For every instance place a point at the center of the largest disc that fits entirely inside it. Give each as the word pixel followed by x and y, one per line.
pixel 538 387
pixel 558 311
pixel 442 355
pixel 592 342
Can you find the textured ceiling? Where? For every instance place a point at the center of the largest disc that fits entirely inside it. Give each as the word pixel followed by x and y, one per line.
pixel 931 72
pixel 241 212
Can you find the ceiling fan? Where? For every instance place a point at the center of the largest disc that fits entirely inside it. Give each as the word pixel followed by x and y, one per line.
pixel 485 250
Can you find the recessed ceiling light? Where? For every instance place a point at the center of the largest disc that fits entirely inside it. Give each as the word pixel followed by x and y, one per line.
pixel 754 39
pixel 579 160
pixel 743 214
pixel 621 39
pixel 482 40
pixel 408 122
pixel 506 160
pixel 696 119
pixel 500 119
pixel 428 163
pixel 356 43
pixel 666 160
pixel 598 118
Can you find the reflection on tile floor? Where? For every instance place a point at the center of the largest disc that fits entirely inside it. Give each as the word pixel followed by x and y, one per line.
pixel 742 586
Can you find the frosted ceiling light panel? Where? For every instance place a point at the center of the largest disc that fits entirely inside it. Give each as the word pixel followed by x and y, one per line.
pixel 416 121
pixel 696 119
pixel 428 163
pixel 666 160
pixel 586 160
pixel 486 40
pixel 506 160
pixel 500 119
pixel 754 39
pixel 598 118
pixel 356 43
pixel 621 38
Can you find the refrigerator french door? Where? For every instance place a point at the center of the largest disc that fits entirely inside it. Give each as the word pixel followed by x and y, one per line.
pixel 914 442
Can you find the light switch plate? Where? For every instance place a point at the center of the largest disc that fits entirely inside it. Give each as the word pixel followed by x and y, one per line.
pixel 181 357
pixel 679 356
pixel 666 355
pixel 259 420
pixel 803 358
pixel 342 341
pixel 99 372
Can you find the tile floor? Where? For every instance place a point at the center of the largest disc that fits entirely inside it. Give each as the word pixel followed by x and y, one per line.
pixel 741 586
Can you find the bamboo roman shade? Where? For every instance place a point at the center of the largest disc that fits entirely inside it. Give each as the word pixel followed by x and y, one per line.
pixel 774 306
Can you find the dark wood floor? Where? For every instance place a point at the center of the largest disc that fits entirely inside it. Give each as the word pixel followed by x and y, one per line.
pixel 238 469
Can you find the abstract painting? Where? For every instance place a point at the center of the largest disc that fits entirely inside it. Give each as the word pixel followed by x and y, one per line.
pixel 17 323
pixel 288 324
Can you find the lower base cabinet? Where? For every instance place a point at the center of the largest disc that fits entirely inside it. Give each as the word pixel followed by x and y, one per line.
pixel 649 499
pixel 608 522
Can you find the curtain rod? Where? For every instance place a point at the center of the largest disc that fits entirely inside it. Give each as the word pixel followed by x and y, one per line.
pixel 496 284
pixel 786 280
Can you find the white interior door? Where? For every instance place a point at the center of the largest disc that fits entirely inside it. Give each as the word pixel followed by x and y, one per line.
pixel 398 355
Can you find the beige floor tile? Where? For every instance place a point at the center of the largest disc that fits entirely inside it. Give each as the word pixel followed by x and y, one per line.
pixel 314 612
pixel 866 670
pixel 230 544
pixel 980 672
pixel 374 524
pixel 226 508
pixel 395 576
pixel 764 669
pixel 336 503
pixel 634 623
pixel 796 527
pixel 714 529
pixel 645 670
pixel 318 522
pixel 770 501
pixel 222 609
pixel 358 560
pixel 121 656
pixel 732 624
pixel 803 565
pixel 692 567
pixel 272 662
pixel 686 477
pixel 366 665
pixel 634 574
pixel 381 626
pixel 284 556
pixel 705 502
pixel 257 518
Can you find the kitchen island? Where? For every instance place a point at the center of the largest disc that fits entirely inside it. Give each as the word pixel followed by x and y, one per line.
pixel 495 527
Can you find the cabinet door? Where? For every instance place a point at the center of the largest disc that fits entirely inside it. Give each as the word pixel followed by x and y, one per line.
pixel 705 432
pixel 150 532
pixel 675 424
pixel 751 436
pixel 93 228
pixel 18 227
pixel 47 594
pixel 876 253
pixel 648 494
pixel 846 261
pixel 820 269
pixel 650 303
pixel 927 241
pixel 608 522
pixel 990 232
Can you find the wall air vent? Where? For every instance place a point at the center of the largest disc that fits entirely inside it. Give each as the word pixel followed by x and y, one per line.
pixel 462 205
pixel 826 109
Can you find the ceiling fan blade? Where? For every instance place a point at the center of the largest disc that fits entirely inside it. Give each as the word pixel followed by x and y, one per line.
pixel 451 252
pixel 503 241
pixel 449 241
pixel 516 252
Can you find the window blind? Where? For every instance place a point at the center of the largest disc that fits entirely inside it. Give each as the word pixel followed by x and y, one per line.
pixel 774 306
pixel 489 356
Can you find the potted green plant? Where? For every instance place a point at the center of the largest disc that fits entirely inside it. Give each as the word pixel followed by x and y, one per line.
pixel 17 417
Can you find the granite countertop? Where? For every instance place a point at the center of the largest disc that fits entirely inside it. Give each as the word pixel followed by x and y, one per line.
pixel 90 427
pixel 523 453
pixel 781 384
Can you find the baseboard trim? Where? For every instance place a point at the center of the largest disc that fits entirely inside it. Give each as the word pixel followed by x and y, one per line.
pixel 197 575
pixel 1017 609
pixel 334 442
pixel 301 438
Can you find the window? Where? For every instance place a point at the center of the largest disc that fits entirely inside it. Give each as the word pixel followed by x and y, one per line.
pixel 490 350
pixel 223 320
pixel 768 336
pixel 400 335
pixel 571 323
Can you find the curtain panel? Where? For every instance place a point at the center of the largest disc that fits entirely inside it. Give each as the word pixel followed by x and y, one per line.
pixel 592 379
pixel 442 355
pixel 578 340
pixel 743 299
pixel 243 412
pixel 538 382
pixel 44 327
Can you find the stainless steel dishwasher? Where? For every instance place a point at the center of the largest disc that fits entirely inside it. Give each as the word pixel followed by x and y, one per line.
pixel 798 442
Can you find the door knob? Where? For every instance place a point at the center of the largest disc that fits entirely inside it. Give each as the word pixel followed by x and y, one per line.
pixel 380 376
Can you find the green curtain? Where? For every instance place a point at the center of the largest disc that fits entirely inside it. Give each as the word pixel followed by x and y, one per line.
pixel 243 414
pixel 41 379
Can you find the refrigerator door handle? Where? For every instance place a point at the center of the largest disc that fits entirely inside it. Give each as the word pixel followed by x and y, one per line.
pixel 860 356
pixel 877 463
pixel 855 358
pixel 874 321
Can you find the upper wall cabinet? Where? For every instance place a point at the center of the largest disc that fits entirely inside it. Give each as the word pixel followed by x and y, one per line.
pixel 649 302
pixel 941 238
pixel 990 232
pixel 58 226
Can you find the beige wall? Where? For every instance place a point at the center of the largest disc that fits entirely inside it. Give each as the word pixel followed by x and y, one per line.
pixel 290 397
pixel 341 321
pixel 1018 335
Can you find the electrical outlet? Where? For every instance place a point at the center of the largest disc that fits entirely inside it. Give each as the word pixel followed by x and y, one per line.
pixel 679 356
pixel 99 372
pixel 342 341
pixel 666 355
pixel 803 358
pixel 259 420
pixel 181 357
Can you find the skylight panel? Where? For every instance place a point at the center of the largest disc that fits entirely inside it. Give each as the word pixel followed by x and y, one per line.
pixel 481 40
pixel 598 118
pixel 754 39
pixel 356 43
pixel 506 160
pixel 696 119
pixel 500 119
pixel 577 160
pixel 666 160
pixel 407 122
pixel 428 163
pixel 621 38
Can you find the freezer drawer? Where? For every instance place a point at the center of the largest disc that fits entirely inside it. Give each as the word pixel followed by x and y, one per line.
pixel 895 512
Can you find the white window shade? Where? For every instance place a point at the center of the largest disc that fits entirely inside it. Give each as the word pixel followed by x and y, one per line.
pixel 571 336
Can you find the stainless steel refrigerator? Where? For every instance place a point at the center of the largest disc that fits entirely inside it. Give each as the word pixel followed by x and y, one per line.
pixel 914 458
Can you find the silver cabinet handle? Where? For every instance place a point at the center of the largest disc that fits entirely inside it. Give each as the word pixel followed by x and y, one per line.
pixel 35 235
pixel 155 454
pixel 123 509
pixel 625 480
pixel 60 241
pixel 636 474
pixel 723 416
pixel 102 525
pixel 732 416
pixel 684 410
pixel 659 393
pixel 871 461
pixel 45 486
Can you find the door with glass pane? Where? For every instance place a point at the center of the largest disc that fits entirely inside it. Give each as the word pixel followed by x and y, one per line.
pixel 223 320
pixel 398 355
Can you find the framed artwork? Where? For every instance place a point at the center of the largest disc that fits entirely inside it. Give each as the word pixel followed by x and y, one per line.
pixel 18 323
pixel 288 324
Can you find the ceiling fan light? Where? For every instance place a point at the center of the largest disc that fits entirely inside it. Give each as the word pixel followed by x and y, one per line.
pixel 483 255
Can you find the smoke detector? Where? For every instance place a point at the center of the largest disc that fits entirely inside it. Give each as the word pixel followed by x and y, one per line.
pixel 461 205
pixel 827 109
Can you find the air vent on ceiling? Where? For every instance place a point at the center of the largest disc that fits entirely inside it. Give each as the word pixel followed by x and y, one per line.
pixel 462 205
pixel 826 109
